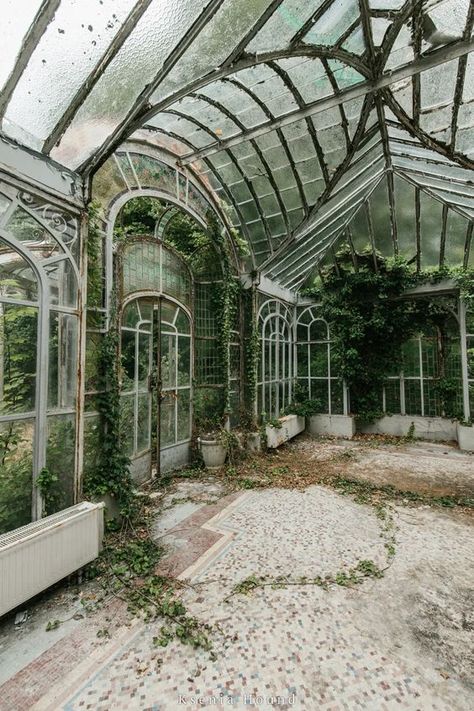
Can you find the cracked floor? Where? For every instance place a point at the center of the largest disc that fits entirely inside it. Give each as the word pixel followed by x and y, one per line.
pixel 404 641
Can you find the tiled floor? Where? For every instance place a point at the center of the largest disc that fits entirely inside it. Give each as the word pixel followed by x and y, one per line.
pixel 400 642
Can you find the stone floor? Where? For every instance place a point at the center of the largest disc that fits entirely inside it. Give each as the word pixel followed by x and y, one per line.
pixel 405 641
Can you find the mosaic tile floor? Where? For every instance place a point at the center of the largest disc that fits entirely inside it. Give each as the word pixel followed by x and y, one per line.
pixel 401 642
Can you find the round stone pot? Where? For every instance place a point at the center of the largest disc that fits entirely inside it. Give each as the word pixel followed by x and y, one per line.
pixel 213 452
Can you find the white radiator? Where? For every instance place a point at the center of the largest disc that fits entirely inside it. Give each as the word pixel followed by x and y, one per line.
pixel 36 556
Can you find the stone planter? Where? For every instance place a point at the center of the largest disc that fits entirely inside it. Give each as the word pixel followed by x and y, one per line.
pixel 111 507
pixel 436 429
pixel 291 425
pixel 213 452
pixel 466 437
pixel 332 425
pixel 253 442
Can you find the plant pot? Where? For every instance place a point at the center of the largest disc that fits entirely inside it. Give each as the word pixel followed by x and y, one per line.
pixel 213 452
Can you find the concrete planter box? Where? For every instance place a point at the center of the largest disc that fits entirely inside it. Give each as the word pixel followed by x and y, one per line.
pixel 252 442
pixel 437 429
pixel 291 425
pixel 334 425
pixel 213 452
pixel 466 438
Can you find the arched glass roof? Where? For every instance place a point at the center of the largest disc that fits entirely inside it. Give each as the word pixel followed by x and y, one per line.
pixel 299 114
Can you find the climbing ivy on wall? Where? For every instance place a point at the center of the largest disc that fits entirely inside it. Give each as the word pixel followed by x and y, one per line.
pixel 371 318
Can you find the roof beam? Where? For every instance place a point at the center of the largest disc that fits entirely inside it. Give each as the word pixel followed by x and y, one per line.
pixel 444 54
pixel 31 40
pixel 86 87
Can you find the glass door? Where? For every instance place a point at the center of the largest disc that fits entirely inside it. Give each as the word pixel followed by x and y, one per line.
pixel 156 350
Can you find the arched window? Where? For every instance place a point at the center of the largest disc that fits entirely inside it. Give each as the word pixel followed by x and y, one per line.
pixel 276 372
pixel 39 322
pixel 316 376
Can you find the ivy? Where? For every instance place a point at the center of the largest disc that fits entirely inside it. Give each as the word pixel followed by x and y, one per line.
pixel 94 266
pixel 370 321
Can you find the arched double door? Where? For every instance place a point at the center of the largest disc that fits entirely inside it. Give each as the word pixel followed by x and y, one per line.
pixel 157 364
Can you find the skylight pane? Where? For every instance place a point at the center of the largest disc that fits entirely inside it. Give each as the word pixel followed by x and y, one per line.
pixel 283 25
pixel 136 64
pixel 335 21
pixel 15 25
pixel 70 48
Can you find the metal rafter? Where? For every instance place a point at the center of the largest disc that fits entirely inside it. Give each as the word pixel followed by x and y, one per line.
pixel 310 22
pixel 468 245
pixel 280 135
pixel 31 40
pixel 240 48
pixel 424 138
pixel 86 87
pixel 120 133
pixel 444 226
pixel 257 149
pixel 246 62
pixel 235 162
pixel 461 76
pixel 309 124
pixel 427 62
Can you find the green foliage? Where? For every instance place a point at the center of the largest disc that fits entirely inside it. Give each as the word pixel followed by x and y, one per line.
pixel 16 475
pixel 94 258
pixel 110 473
pixel 46 482
pixel 371 318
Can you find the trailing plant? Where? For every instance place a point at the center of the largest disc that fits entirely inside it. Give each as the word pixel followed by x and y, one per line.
pixel 47 483
pixel 111 472
pixel 94 257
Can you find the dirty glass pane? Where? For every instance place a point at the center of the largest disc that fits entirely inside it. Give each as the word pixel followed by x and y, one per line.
pixel 283 25
pixel 167 422
pixel 17 279
pixel 60 462
pixel 15 25
pixel 184 360
pixel 184 415
pixel 71 46
pixel 128 360
pixel 431 221
pixel 63 360
pixel 335 21
pixel 127 417
pixel 135 65
pixel 16 472
pixel 143 423
pixel 18 354
pixel 62 283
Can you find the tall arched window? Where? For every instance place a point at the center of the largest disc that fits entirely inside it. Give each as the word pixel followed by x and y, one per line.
pixel 39 320
pixel 276 372
pixel 316 376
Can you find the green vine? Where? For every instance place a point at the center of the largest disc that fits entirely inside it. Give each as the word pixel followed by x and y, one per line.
pixel 94 266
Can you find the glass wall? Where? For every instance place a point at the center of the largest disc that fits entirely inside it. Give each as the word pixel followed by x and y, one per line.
pixel 39 322
pixel 317 376
pixel 276 367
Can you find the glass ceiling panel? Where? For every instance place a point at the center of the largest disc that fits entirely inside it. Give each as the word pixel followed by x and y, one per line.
pixel 71 46
pixel 135 65
pixel 15 25
pixel 283 25
pixel 308 76
pixel 182 127
pixel 335 21
pixel 212 46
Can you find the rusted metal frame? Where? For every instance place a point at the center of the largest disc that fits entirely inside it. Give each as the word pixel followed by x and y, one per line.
pixel 431 192
pixel 418 228
pixel 240 48
pixel 444 226
pixel 280 135
pixel 86 87
pixel 390 181
pixel 370 224
pixel 403 15
pixel 352 248
pixel 335 87
pixel 324 197
pixel 310 22
pixel 369 40
pixel 468 245
pixel 119 134
pixel 301 105
pixel 245 63
pixel 425 139
pixel 460 79
pixel 220 107
pixel 417 37
pixel 30 42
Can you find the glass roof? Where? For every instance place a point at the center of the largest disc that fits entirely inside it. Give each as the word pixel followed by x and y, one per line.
pixel 298 114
